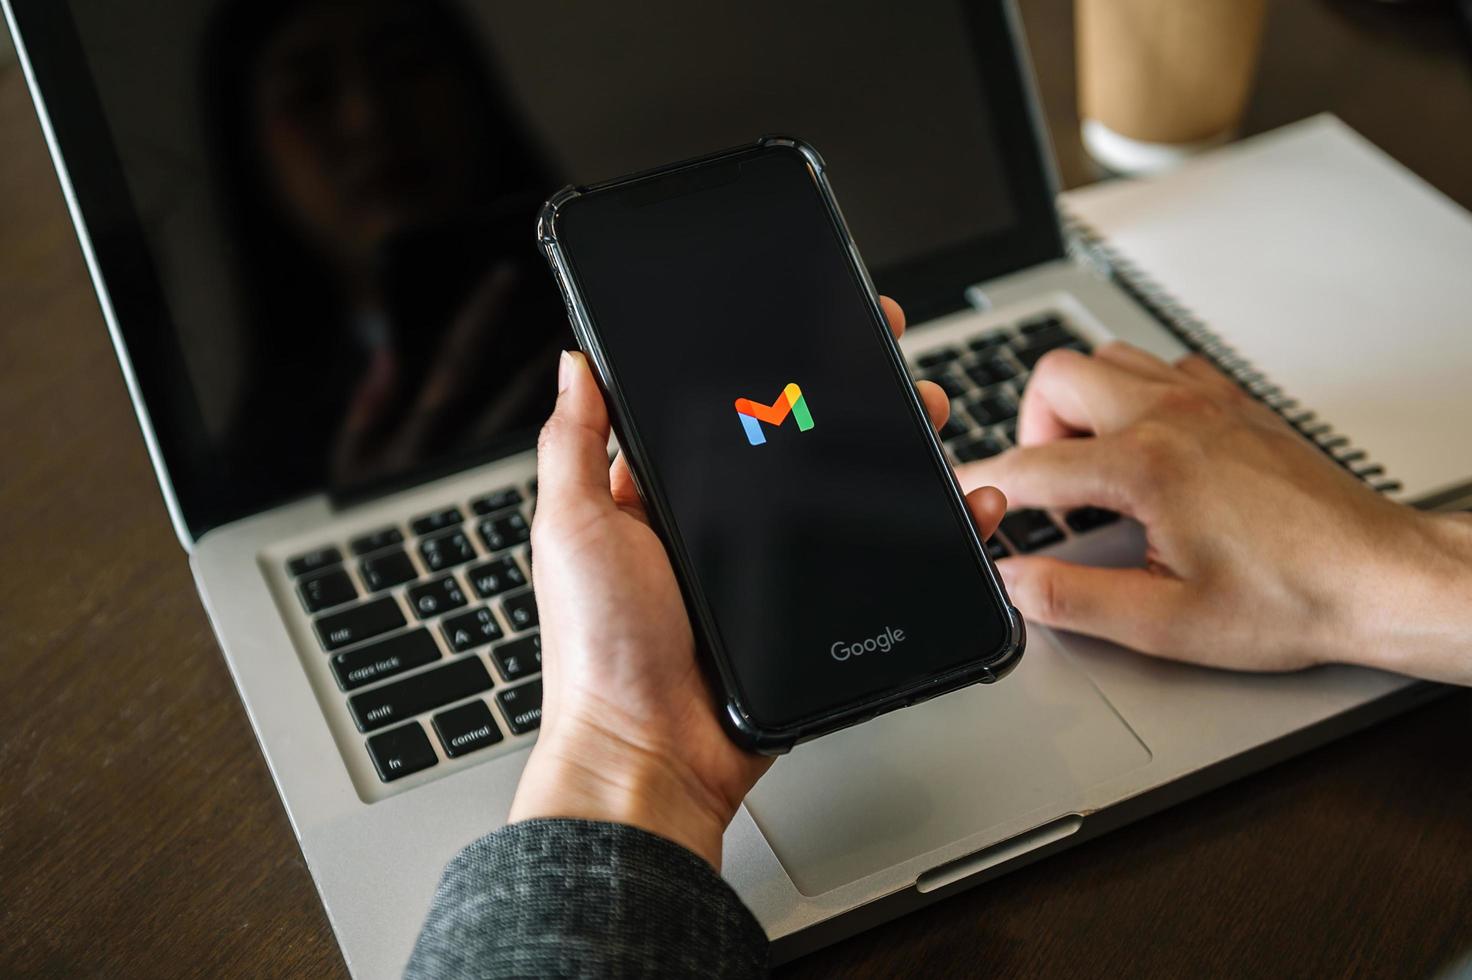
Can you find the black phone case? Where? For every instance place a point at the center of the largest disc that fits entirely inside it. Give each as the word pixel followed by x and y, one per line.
pixel 738 721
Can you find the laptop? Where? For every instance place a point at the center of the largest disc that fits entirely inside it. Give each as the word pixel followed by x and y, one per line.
pixel 310 227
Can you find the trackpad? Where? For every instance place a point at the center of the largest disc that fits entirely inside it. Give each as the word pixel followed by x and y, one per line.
pixel 904 784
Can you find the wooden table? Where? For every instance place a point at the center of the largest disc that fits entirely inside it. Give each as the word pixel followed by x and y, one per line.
pixel 140 834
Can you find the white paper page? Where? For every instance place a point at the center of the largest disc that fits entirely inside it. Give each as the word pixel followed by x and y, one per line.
pixel 1334 270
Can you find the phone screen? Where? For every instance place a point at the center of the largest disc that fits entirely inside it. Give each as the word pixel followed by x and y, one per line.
pixel 760 385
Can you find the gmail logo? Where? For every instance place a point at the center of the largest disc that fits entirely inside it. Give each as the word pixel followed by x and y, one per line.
pixel 790 402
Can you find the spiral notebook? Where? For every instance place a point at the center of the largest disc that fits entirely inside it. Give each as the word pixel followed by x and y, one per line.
pixel 1327 278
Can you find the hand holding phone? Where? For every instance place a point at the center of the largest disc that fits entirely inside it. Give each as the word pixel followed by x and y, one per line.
pixel 815 527
pixel 629 730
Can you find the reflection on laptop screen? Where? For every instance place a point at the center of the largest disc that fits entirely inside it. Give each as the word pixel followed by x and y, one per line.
pixel 339 195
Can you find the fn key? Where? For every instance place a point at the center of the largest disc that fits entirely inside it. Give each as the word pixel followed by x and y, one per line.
pixel 401 751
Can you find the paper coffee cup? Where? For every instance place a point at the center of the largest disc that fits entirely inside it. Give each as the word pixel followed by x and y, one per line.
pixel 1159 80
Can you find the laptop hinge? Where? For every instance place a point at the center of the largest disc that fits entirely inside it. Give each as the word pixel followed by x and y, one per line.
pixel 978 299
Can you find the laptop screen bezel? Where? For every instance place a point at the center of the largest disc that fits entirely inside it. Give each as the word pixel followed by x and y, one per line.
pixel 931 284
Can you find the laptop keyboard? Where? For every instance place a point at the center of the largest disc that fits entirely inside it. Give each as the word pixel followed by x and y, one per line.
pixel 418 620
pixel 984 377
pixel 430 627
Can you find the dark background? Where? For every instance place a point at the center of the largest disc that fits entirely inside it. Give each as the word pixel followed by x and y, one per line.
pixel 140 834
pixel 306 291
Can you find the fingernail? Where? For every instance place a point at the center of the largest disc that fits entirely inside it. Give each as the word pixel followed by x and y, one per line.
pixel 564 371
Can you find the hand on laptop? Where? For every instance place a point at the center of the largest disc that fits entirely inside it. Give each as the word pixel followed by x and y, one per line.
pixel 629 728
pixel 1263 554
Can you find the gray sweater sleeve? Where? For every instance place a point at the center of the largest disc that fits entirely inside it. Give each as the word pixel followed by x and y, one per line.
pixel 575 898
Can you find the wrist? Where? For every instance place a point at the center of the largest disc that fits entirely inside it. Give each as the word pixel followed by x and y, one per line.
pixel 585 772
pixel 1411 610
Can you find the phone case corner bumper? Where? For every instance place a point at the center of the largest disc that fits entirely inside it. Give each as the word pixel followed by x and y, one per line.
pixel 752 738
pixel 1016 646
pixel 547 214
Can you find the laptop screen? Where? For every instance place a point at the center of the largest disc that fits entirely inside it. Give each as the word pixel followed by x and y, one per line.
pixel 319 214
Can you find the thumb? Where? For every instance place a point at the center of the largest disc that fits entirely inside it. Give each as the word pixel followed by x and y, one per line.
pixel 1134 607
pixel 572 451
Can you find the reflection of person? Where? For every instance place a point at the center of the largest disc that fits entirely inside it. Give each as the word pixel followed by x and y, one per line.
pixel 607 866
pixel 1263 555
pixel 382 194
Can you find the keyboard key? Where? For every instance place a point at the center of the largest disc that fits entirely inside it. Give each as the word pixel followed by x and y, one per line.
pixel 339 629
pixel 446 550
pixel 432 598
pixel 470 630
pixel 990 372
pixel 1087 518
pixel 988 342
pixel 387 570
pixel 464 729
pixel 997 549
pixel 326 589
pixel 980 447
pixel 1030 530
pixel 991 409
pixel 377 541
pixel 1040 344
pixel 505 531
pixel 495 577
pixel 314 561
pixel 401 752
pixel 954 428
pixel 1051 330
pixel 521 610
pixel 951 384
pixel 385 658
pixel 1054 338
pixel 1029 356
pixel 522 707
pixel 935 358
pixel 496 500
pixel 519 658
pixel 455 681
pixel 1048 322
pixel 439 520
pixel 1009 429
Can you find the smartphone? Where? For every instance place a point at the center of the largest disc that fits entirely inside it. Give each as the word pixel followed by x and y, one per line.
pixel 829 564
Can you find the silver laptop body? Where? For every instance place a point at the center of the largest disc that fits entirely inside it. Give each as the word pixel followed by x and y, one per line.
pixel 846 831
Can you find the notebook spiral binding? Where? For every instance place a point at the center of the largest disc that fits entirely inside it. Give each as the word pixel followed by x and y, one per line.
pixel 1086 244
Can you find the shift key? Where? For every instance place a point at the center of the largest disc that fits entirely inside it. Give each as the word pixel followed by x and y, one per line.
pixel 414 695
